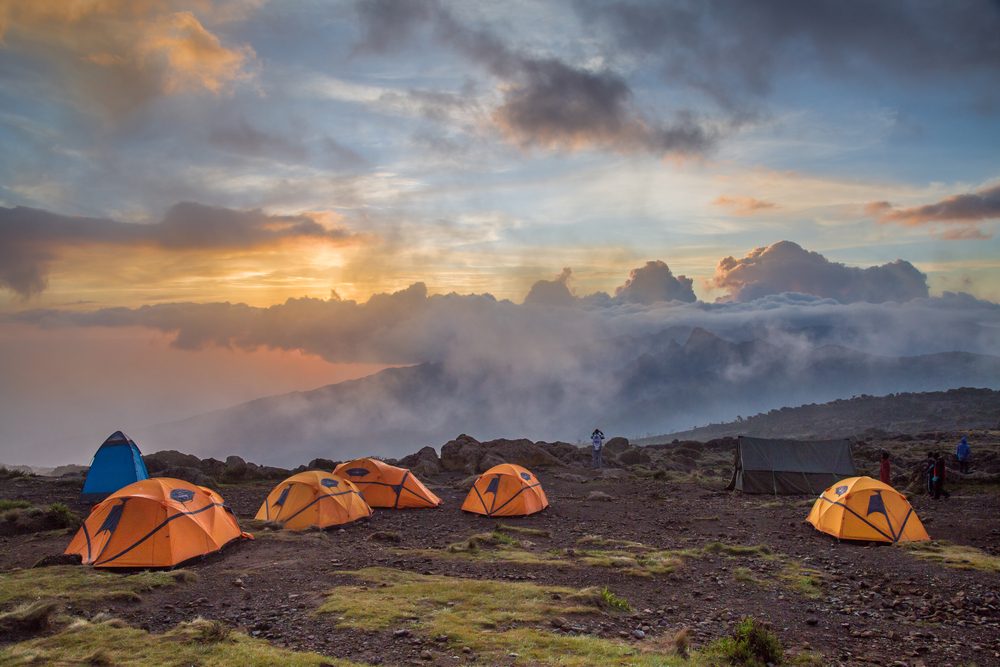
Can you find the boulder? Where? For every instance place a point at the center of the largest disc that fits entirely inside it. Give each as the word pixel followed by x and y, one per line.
pixel 235 469
pixel 567 453
pixel 186 473
pixel 634 456
pixel 521 452
pixel 423 463
pixel 322 464
pixel 159 461
pixel 461 454
pixel 600 495
pixel 616 446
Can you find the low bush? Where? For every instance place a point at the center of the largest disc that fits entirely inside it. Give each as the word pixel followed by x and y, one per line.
pixel 31 519
pixel 752 644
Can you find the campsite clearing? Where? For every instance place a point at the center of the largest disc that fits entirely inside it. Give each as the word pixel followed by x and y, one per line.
pixel 740 555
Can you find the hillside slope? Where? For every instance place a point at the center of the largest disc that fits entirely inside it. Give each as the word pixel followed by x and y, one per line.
pixel 953 410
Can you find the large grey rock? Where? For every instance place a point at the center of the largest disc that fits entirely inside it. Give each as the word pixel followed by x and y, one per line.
pixel 461 454
pixel 616 446
pixel 170 458
pixel 634 456
pixel 468 455
pixel 186 473
pixel 423 463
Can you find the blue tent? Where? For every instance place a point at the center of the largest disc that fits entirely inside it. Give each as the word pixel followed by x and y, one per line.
pixel 116 464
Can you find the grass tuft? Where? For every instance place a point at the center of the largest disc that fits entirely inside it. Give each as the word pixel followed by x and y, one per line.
pixel 752 644
pixel 682 642
pixel 386 536
pixel 199 642
pixel 614 602
pixel 522 530
pixel 741 550
pixel 80 584
pixel 958 556
pixel 6 504
pixel 29 618
pixel 21 518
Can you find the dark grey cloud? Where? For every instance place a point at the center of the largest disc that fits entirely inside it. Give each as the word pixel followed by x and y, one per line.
pixel 31 239
pixel 964 211
pixel 787 267
pixel 653 283
pixel 734 51
pixel 546 102
pixel 554 105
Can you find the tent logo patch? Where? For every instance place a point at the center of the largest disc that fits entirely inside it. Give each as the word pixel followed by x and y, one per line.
pixel 840 490
pixel 526 476
pixel 357 472
pixel 182 495
pixel 329 483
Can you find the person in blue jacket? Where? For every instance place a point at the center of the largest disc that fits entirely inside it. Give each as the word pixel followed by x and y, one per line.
pixel 963 453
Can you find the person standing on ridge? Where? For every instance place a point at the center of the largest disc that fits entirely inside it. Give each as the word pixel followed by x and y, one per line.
pixel 883 470
pixel 963 453
pixel 939 470
pixel 597 440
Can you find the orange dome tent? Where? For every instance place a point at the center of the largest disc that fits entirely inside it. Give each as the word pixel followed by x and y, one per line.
pixel 861 508
pixel 506 490
pixel 314 499
pixel 383 485
pixel 158 522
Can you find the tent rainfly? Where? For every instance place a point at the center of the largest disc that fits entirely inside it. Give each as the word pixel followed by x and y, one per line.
pixel 116 464
pixel 765 465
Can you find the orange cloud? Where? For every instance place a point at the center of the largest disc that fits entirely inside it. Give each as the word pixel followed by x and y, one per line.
pixel 119 54
pixel 743 205
pixel 965 211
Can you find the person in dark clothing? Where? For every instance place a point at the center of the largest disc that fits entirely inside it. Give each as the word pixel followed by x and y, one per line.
pixel 939 470
pixel 963 453
pixel 597 441
pixel 883 469
pixel 929 473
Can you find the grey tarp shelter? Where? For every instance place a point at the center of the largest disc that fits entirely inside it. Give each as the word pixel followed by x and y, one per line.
pixel 766 465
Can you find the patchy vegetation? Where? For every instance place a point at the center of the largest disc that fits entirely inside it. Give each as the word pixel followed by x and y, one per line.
pixel 611 601
pixel 28 618
pixel 198 642
pixel 958 556
pixel 19 517
pixel 805 581
pixel 6 504
pixel 83 584
pixel 488 617
pixel 523 530
pixel 752 644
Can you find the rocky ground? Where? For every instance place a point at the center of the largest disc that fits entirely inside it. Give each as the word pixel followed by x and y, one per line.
pixel 656 529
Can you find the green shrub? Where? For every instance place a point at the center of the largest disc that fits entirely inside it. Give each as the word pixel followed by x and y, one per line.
pixel 61 514
pixel 32 519
pixel 752 644
pixel 611 601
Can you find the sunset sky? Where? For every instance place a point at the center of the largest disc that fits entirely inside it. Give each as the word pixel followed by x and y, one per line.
pixel 244 151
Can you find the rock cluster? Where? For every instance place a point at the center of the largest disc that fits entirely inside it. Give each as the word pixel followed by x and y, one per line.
pixel 207 472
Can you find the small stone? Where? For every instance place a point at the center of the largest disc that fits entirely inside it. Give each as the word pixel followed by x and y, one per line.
pixel 638 634
pixel 812 621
